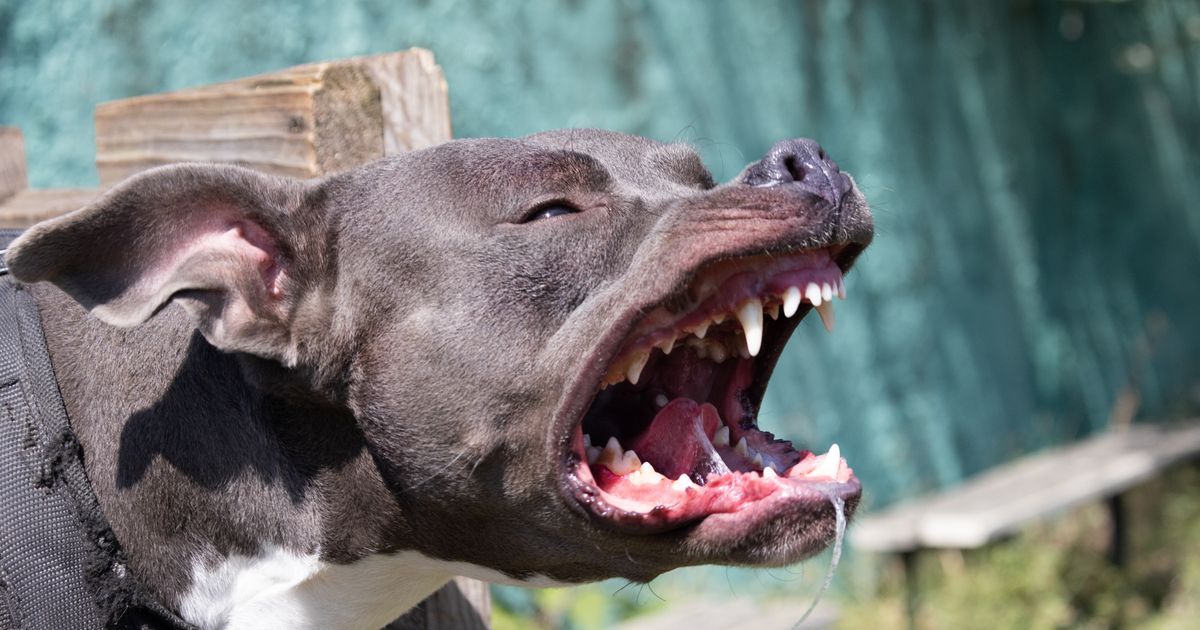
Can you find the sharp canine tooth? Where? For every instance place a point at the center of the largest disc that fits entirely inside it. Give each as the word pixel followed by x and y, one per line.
pixel 825 310
pixel 813 293
pixel 634 372
pixel 826 292
pixel 791 301
pixel 721 438
pixel 742 448
pixel 750 314
pixel 830 465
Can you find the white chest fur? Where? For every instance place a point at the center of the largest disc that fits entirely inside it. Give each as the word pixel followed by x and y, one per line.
pixel 280 589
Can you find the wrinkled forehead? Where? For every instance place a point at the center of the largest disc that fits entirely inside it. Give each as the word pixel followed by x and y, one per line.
pixel 627 157
pixel 573 159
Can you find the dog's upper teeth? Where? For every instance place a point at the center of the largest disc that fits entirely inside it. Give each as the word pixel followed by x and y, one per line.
pixel 701 329
pixel 772 311
pixel 825 310
pixel 634 371
pixel 721 438
pixel 750 314
pixel 791 301
pixel 758 461
pixel 742 448
pixel 593 454
pixel 841 288
pixel 826 292
pixel 813 293
pixel 667 345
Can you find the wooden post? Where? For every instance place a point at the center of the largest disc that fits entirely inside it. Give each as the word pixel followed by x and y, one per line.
pixel 463 604
pixel 13 178
pixel 305 121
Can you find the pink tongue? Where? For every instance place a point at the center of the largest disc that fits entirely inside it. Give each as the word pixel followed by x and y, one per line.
pixel 679 440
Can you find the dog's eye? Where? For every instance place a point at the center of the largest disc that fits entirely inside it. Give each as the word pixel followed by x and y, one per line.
pixel 549 211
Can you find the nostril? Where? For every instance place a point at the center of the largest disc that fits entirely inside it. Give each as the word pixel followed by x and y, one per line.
pixel 821 153
pixel 794 168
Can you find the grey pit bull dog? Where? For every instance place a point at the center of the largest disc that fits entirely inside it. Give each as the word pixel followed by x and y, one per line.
pixel 308 404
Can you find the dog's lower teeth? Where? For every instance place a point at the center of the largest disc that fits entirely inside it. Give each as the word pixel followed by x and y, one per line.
pixel 683 483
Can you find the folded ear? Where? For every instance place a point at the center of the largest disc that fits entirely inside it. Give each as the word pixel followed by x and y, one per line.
pixel 224 242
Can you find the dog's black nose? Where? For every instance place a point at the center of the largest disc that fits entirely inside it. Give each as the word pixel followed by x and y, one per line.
pixel 801 163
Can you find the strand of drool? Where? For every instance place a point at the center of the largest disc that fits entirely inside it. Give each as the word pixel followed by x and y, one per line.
pixel 839 508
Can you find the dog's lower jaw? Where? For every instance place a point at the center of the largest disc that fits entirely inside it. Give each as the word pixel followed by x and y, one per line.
pixel 284 589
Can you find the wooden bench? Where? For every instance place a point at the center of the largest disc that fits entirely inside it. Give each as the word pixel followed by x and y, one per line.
pixel 998 503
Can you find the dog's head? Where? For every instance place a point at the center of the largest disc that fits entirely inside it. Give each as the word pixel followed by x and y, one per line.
pixel 554 346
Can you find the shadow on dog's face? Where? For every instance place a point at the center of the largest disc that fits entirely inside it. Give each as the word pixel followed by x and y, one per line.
pixel 554 346
pixel 536 287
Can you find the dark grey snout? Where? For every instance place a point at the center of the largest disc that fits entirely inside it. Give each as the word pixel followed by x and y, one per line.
pixel 801 163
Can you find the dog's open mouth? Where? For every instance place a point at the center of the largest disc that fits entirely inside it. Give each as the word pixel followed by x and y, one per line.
pixel 671 436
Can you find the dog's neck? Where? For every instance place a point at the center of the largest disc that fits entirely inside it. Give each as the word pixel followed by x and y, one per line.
pixel 279 589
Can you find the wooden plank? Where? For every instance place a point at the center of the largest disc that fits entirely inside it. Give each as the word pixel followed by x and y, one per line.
pixel 735 612
pixel 30 206
pixel 305 121
pixel 1003 500
pixel 13 176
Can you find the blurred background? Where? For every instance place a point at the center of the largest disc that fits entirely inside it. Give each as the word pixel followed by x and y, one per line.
pixel 1034 167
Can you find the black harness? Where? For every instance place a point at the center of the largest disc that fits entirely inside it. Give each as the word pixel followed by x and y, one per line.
pixel 60 564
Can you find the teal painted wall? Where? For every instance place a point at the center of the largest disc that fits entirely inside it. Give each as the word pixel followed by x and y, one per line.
pixel 1034 167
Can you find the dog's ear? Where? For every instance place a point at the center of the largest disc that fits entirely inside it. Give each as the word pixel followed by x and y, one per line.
pixel 224 242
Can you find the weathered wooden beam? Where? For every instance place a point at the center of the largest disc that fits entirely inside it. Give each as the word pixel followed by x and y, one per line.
pixel 30 206
pixel 13 177
pixel 306 121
